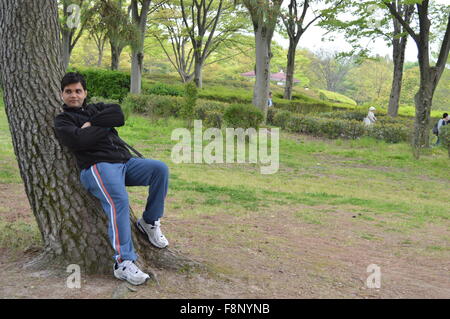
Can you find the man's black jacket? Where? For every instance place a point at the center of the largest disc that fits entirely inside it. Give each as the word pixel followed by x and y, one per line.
pixel 98 143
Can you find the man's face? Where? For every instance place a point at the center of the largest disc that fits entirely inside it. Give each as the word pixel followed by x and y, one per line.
pixel 74 95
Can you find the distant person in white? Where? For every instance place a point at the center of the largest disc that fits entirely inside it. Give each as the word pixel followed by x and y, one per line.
pixel 269 100
pixel 370 119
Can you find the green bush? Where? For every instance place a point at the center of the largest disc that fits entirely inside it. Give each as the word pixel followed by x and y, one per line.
pixel 210 112
pixel 153 105
pixel 391 133
pixel 105 83
pixel 190 100
pixel 271 112
pixel 304 124
pixel 332 129
pixel 296 124
pixel 303 107
pixel 99 99
pixel 281 119
pixel 136 103
pixel 345 115
pixel 165 106
pixel 243 115
pixel 163 89
pixel 226 95
pixel 354 129
pixel 213 119
pixel 341 128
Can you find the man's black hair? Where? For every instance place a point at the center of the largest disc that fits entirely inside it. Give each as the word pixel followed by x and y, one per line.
pixel 71 78
pixel 444 115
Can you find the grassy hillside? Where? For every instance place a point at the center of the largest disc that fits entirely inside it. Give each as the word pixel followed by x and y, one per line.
pixel 336 97
pixel 242 92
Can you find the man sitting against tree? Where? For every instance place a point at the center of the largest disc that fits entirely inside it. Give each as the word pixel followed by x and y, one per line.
pixel 107 167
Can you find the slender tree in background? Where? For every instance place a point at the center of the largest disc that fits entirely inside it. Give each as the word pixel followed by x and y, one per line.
pixel 140 9
pixel 114 18
pixel 198 23
pixel 429 74
pixel 139 18
pixel 98 32
pixel 399 40
pixel 371 20
pixel 332 68
pixel 296 26
pixel 189 32
pixel 203 18
pixel 72 222
pixel 264 15
pixel 168 29
pixel 71 32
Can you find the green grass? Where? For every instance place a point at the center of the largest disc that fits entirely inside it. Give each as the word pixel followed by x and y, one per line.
pixel 364 174
pixel 336 97
pixel 19 235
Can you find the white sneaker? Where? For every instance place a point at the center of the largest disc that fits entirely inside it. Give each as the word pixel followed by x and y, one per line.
pixel 155 236
pixel 127 270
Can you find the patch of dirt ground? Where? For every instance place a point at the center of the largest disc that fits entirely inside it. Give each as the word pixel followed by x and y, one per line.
pixel 272 253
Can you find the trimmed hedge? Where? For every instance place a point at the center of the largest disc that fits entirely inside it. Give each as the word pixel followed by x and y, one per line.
pixel 98 99
pixel 153 105
pixel 163 89
pixel 280 118
pixel 105 83
pixel 190 100
pixel 210 112
pixel 228 96
pixel 243 115
pixel 391 133
pixel 338 128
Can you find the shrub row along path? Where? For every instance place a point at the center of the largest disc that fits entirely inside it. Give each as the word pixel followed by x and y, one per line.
pixel 308 231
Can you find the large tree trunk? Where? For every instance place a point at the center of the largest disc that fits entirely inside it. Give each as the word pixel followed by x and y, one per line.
pixel 72 226
pixel 72 223
pixel 290 70
pixel 262 82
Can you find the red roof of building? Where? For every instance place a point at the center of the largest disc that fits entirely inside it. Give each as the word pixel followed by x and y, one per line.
pixel 279 77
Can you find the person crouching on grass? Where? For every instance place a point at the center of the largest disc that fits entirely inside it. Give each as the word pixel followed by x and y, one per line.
pixel 107 167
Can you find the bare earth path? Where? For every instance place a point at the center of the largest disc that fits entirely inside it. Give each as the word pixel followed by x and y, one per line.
pixel 270 253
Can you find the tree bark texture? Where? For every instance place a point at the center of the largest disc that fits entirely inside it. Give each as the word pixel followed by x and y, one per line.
pixel 262 81
pixel 429 75
pixel 71 221
pixel 198 75
pixel 116 51
pixel 290 70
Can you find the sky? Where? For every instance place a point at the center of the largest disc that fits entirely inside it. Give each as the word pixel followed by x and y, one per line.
pixel 312 41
